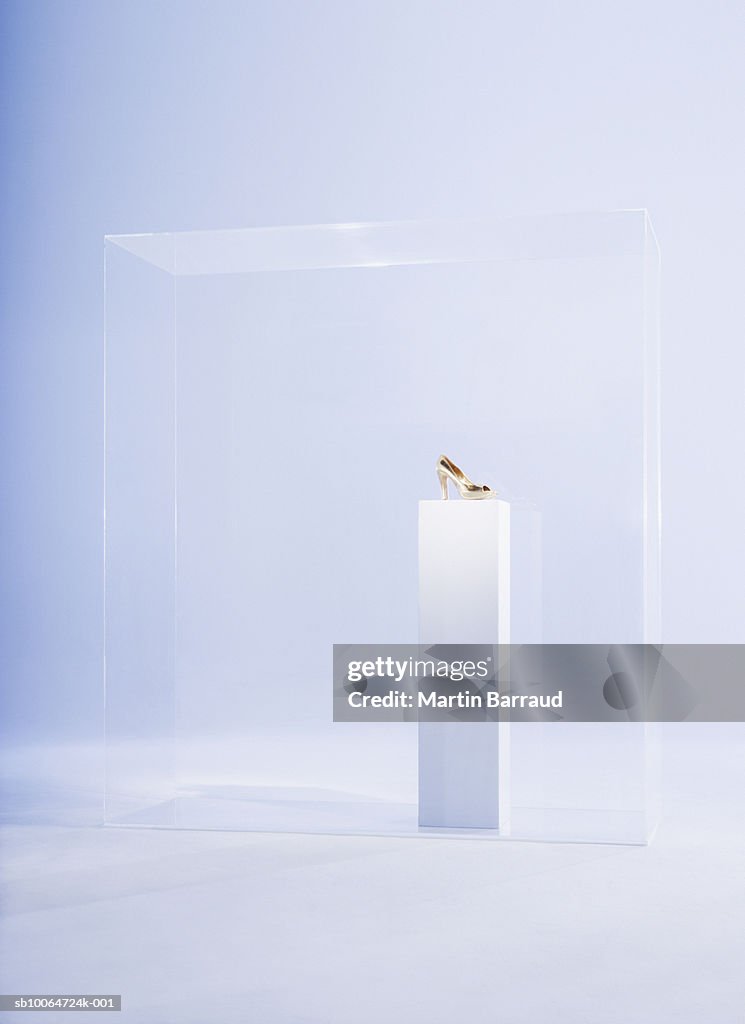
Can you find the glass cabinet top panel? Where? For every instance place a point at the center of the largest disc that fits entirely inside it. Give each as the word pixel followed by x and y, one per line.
pixel 319 246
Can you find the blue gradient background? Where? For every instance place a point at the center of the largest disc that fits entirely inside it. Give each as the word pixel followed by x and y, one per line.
pixel 140 116
pixel 147 115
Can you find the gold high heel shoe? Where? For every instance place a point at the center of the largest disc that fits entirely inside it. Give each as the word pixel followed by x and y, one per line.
pixel 447 470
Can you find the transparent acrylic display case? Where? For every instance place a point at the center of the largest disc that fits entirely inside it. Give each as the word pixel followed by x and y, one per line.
pixel 276 399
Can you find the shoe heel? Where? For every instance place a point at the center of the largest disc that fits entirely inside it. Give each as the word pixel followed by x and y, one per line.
pixel 443 485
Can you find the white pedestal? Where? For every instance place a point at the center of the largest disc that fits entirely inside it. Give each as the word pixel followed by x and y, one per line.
pixel 464 598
